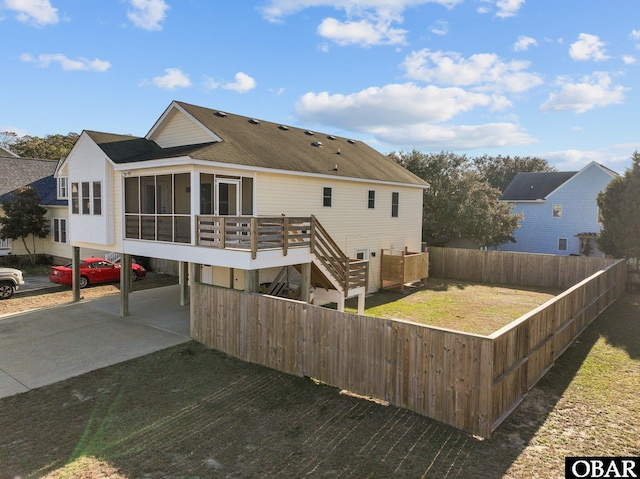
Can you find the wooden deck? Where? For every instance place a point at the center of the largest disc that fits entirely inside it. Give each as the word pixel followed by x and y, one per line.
pixel 259 233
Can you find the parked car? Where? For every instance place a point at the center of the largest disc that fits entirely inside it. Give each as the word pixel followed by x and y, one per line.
pixel 10 280
pixel 94 271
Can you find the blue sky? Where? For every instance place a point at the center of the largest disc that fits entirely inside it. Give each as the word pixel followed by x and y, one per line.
pixel 553 79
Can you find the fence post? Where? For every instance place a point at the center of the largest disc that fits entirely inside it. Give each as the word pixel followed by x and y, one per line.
pixel 254 237
pixel 285 235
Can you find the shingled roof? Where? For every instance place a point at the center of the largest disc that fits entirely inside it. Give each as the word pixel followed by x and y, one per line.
pixel 37 173
pixel 264 145
pixel 535 186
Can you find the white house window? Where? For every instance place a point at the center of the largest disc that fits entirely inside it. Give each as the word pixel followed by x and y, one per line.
pixel 86 198
pixel 327 194
pixel 75 199
pixel 562 244
pixel 63 189
pixel 371 200
pixel 362 254
pixel 557 211
pixel 59 229
pixel 395 204
pixel 97 198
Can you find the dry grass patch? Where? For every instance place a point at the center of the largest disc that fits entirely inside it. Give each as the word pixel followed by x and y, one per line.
pixel 469 307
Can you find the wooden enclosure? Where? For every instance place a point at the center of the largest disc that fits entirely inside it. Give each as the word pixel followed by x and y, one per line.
pixel 399 267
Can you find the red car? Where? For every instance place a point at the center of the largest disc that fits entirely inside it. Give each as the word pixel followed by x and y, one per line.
pixel 94 271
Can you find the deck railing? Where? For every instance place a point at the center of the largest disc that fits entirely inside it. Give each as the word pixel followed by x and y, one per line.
pixel 256 233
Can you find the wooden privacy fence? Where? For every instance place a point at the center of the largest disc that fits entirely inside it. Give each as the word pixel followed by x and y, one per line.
pixel 520 269
pixel 469 381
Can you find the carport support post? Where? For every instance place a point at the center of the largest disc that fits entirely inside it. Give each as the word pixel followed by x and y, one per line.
pixel 75 275
pixel 125 284
pixel 183 275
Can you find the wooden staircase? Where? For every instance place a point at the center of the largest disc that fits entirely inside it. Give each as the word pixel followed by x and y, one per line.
pixel 334 276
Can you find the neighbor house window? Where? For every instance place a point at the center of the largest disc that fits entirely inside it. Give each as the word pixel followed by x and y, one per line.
pixel 557 211
pixel 326 196
pixel 562 244
pixel 59 228
pixel 395 203
pixel 371 200
pixel 63 190
pixel 75 199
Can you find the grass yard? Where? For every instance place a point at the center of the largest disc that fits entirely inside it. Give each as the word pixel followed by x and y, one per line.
pixel 189 412
pixel 469 307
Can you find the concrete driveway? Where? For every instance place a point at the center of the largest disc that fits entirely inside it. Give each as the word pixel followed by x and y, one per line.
pixel 48 345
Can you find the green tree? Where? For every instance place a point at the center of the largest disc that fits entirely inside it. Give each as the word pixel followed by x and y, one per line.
pixel 498 171
pixel 52 147
pixel 459 204
pixel 619 207
pixel 24 217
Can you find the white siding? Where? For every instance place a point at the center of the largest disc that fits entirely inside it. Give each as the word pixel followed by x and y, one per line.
pixel 178 130
pixel 349 221
pixel 88 163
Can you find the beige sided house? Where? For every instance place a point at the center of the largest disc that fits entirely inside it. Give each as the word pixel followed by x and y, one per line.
pixel 244 203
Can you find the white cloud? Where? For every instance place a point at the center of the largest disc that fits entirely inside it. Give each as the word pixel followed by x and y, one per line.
pixel 508 8
pixel 243 83
pixel 629 59
pixel 593 91
pixel 398 104
pixel 362 32
pixel 367 22
pixel 276 10
pixel 456 137
pixel 484 71
pixel 588 47
pixel 148 14
pixel 635 35
pixel 173 79
pixel 210 84
pixel 614 157
pixel 33 12
pixel 440 27
pixel 67 64
pixel 523 43
pixel 405 114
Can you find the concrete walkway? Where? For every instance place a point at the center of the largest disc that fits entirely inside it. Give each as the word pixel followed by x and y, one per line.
pixel 48 345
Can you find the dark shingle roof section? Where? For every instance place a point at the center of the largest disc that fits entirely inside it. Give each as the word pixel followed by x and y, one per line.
pixel 534 186
pixel 19 172
pixel 262 144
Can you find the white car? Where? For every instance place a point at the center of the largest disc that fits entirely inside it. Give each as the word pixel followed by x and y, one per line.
pixel 10 279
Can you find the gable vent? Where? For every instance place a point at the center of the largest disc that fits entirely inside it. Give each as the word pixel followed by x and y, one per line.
pixel 253 121
pixel 221 114
pixel 331 137
pixel 307 132
pixel 284 127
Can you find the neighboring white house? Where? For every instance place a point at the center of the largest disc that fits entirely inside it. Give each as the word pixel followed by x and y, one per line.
pixel 220 192
pixel 560 212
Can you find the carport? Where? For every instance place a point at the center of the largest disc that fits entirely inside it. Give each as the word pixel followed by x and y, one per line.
pixel 125 280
